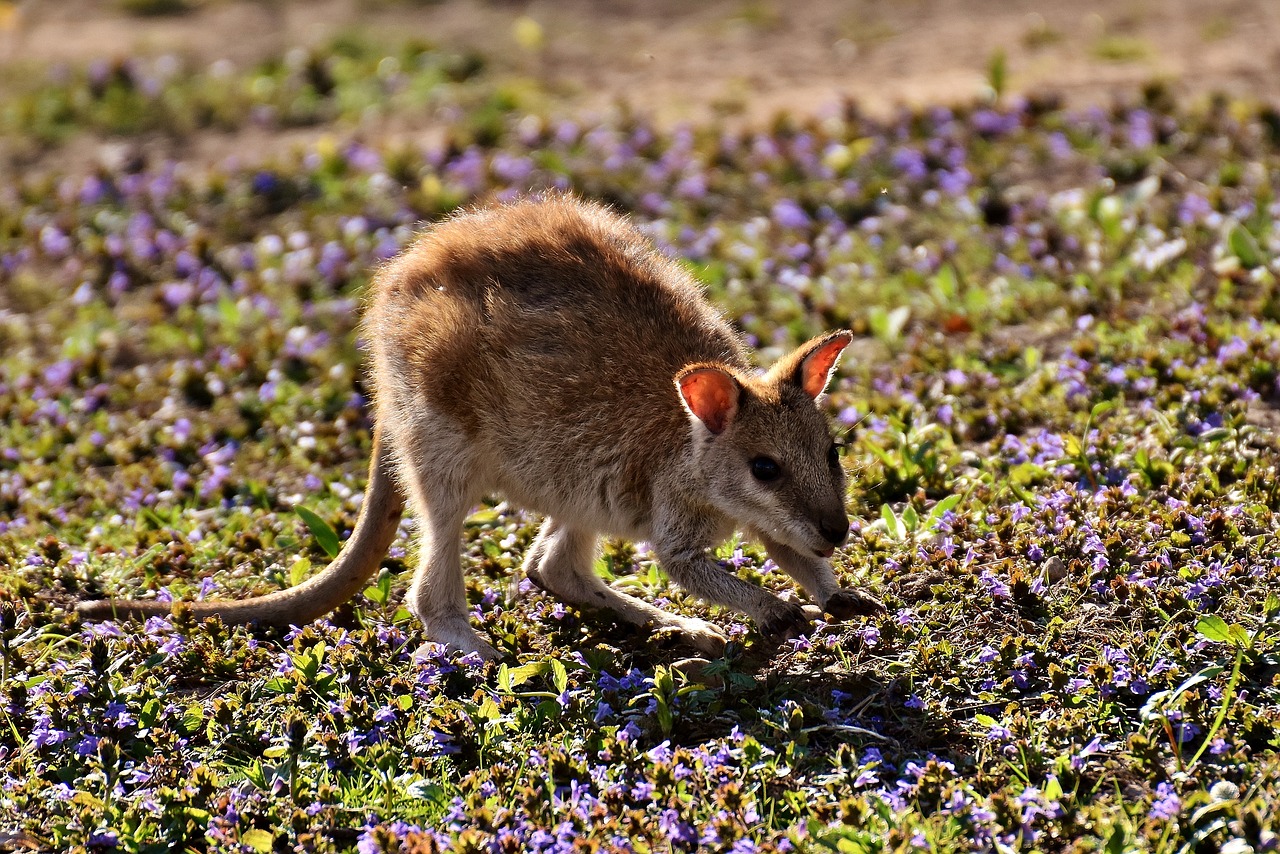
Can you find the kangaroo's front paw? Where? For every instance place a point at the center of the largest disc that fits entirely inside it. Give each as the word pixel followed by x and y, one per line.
pixel 785 621
pixel 535 577
pixel 484 651
pixel 699 634
pixel 846 603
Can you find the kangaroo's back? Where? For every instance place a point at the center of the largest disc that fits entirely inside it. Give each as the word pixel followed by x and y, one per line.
pixel 550 331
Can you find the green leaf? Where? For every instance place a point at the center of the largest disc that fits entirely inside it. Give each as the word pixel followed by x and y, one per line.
pixel 150 713
pixel 325 535
pixel 525 672
pixel 891 522
pixel 1052 789
pixel 887 325
pixel 229 312
pixel 380 593
pixel 946 282
pixel 192 717
pixel 1245 246
pixel 985 720
pixel 431 792
pixel 483 519
pixel 258 839
pixel 298 572
pixel 559 676
pixel 86 799
pixel 1214 629
pixel 504 679
pixel 1271 606
pixel 255 775
pixel 997 74
pixel 910 519
pixel 1110 214
pixel 1028 473
pixel 488 710
pixel 666 720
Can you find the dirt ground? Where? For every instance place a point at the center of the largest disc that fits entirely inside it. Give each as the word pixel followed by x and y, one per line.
pixel 740 58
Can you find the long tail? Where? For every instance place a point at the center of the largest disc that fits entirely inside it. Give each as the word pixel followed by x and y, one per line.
pixel 359 559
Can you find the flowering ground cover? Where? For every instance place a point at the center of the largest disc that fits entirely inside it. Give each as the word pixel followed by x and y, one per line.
pixel 1059 419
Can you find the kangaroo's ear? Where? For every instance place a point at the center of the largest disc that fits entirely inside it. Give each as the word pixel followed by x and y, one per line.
pixel 811 364
pixel 711 394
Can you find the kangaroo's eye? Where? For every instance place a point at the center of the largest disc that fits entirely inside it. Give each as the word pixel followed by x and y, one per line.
pixel 763 468
pixel 833 456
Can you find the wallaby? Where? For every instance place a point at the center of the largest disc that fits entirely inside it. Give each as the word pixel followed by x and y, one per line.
pixel 544 351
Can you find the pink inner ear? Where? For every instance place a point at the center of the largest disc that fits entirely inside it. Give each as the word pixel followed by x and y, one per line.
pixel 815 371
pixel 711 395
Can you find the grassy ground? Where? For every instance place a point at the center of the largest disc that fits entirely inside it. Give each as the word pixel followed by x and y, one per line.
pixel 1059 418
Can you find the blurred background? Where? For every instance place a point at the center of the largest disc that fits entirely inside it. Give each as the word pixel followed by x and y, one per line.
pixel 741 60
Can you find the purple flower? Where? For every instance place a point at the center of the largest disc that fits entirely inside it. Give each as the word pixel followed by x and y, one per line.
pixel 997 588
pixel 1167 804
pixel 675 829
pixel 103 839
pixel 787 214
pixel 910 163
pixel 45 733
pixel 1141 133
pixel 1094 746
pixel 264 183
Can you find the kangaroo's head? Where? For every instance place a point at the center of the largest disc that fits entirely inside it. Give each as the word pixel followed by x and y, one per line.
pixel 765 449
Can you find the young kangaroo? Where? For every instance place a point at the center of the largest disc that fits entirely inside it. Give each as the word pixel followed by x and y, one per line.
pixel 544 351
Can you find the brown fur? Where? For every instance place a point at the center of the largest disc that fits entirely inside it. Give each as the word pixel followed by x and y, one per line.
pixel 534 350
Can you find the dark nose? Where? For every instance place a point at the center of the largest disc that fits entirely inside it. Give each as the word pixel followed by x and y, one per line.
pixel 834 532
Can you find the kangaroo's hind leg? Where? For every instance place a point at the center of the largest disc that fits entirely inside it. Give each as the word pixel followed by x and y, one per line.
pixel 439 481
pixel 560 562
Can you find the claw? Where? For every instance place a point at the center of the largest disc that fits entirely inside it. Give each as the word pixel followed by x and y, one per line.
pixel 789 621
pixel 699 634
pixel 535 577
pixel 846 603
